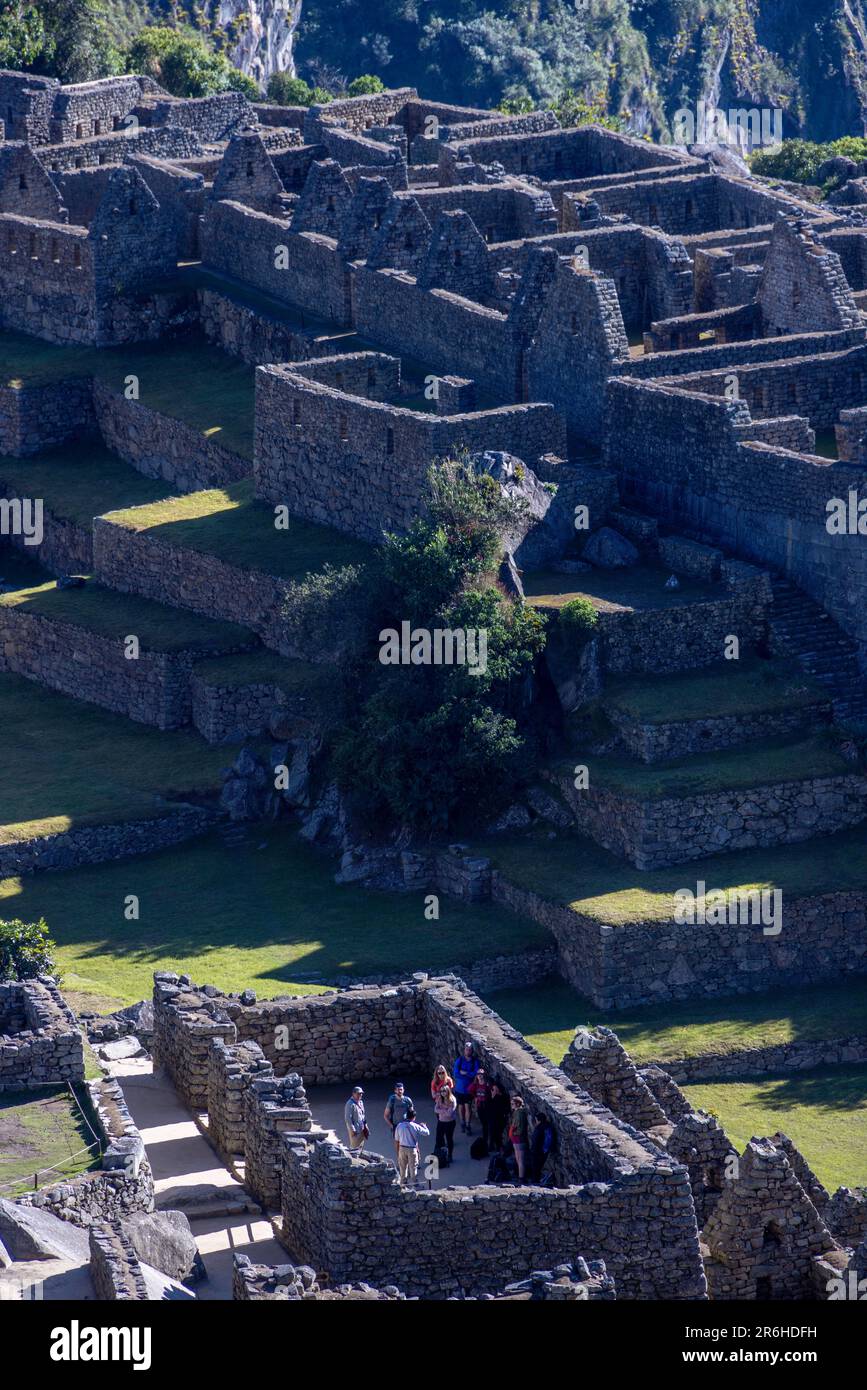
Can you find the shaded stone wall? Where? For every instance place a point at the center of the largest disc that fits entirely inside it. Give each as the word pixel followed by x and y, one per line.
pixel 94 844
pixel 36 418
pixel 152 689
pixel 160 446
pixel 254 335
pixel 653 834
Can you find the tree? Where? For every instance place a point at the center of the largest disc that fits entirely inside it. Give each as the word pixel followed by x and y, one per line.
pixel 425 744
pixel 182 63
pixel 26 950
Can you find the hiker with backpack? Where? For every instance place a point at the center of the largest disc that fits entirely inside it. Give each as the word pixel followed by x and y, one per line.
pixel 466 1067
pixel 396 1108
pixel 498 1109
pixel 406 1137
pixel 519 1135
pixel 446 1111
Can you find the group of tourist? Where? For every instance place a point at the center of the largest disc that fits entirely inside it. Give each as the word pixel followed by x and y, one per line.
pixel 518 1150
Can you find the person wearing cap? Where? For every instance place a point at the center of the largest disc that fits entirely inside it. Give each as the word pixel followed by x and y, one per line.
pixel 396 1109
pixel 354 1118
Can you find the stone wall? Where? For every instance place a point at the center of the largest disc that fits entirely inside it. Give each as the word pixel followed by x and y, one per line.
pixel 154 689
pixel 274 1107
pixel 230 1071
pixel 254 335
pixel 94 844
pixel 40 1041
pixel 655 833
pixel 36 418
pixel 657 742
pixel 793 1056
pixel 822 938
pixel 623 1202
pixel 66 546
pixel 362 465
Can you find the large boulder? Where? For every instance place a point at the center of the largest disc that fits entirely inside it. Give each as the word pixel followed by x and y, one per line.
pixel 608 550
pixel 29 1233
pixel 164 1240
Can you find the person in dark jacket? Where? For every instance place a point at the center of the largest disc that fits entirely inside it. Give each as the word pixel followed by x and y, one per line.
pixel 541 1146
pixel 498 1113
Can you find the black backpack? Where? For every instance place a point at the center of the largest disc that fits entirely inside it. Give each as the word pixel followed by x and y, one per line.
pixel 479 1148
pixel 442 1156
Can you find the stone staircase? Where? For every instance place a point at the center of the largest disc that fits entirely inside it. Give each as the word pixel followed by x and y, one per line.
pixel 802 629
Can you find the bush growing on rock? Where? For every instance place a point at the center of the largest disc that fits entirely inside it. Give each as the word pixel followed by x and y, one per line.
pixel 26 950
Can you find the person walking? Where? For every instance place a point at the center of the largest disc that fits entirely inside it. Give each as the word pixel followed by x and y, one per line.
pixel 446 1111
pixel 407 1133
pixel 499 1108
pixel 396 1107
pixel 466 1067
pixel 354 1119
pixel 439 1079
pixel 480 1092
pixel 519 1128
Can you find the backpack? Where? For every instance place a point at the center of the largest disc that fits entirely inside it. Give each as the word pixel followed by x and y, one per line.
pixel 442 1156
pixel 479 1148
pixel 498 1170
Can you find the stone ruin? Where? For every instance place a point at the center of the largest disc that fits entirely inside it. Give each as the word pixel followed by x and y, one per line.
pixel 40 1040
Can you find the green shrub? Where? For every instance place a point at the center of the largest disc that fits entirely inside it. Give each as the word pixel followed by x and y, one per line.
pixel 366 85
pixel 578 618
pixel 183 63
pixel 800 160
pixel 26 950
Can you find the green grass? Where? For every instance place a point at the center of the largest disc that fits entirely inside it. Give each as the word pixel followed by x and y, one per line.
pixel 266 914
pixel 229 523
pixel 642 587
pixel 41 1130
pixel 755 765
pixel 71 764
pixel 115 615
pixel 80 481
pixel 580 874
pixel 549 1012
pixel 748 686
pixel 824 1113
pixel 266 668
pixel 186 378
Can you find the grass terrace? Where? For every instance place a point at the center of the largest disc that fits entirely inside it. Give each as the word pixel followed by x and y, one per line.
pixel 755 765
pixel 549 1013
pixel 610 591
pixel 824 1112
pixel 749 686
pixel 80 481
pixel 72 764
pixel 579 874
pixel 186 378
pixel 267 914
pixel 42 1135
pixel 114 615
pixel 230 524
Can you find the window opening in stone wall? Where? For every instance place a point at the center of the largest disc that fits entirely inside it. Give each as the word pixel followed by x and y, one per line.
pixel 371 379
pixel 249 168
pixel 76 257
pixel 34 249
pixel 55 252
pixel 296 413
pixel 78 132
pixel 344 429
pixel 97 127
pixel 22 182
pixel 389 440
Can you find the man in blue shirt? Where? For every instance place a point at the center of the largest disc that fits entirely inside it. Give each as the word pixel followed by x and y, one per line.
pixel 465 1069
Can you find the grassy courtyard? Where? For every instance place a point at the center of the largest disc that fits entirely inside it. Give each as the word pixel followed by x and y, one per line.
pixel 231 524
pixel 265 914
pixel 748 686
pixel 110 770
pixel 639 587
